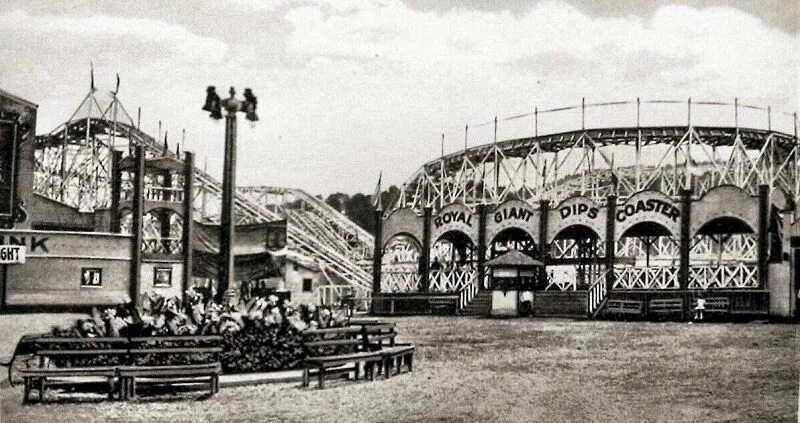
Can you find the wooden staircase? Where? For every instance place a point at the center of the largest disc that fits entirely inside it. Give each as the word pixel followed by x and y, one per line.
pixel 481 305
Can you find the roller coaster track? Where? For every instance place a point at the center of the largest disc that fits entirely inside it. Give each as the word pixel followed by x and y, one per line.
pixel 82 146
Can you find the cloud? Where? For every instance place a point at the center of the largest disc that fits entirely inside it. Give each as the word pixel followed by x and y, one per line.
pixel 347 88
pixel 153 35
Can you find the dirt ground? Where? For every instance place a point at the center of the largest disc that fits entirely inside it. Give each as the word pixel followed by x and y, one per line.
pixel 487 370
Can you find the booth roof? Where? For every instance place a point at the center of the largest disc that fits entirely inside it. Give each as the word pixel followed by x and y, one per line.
pixel 514 258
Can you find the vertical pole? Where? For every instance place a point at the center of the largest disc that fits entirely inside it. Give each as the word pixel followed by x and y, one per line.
pixel 583 113
pixel 638 163
pixel 116 190
pixel 496 162
pixel 684 247
pixel 136 230
pixel 466 136
pixel 377 255
pixel 481 209
pixel 188 220
pixel 611 244
pixel 685 237
pixel 544 215
pixel 763 236
pixel 227 228
pixel 424 258
pixel 441 177
pixel 769 118
pixel 138 119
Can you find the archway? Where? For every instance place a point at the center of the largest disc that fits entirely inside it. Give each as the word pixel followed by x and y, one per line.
pixel 515 239
pixel 647 257
pixel 576 254
pixel 400 264
pixel 723 254
pixel 162 232
pixel 453 259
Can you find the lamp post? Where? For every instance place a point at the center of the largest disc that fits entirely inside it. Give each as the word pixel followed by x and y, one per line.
pixel 227 230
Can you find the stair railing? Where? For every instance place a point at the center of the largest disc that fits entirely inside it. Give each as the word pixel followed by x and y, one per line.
pixel 466 294
pixel 597 292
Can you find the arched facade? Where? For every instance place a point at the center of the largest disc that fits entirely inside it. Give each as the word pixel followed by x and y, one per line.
pixel 647 242
pixel 513 214
pixel 455 218
pixel 574 211
pixel 647 207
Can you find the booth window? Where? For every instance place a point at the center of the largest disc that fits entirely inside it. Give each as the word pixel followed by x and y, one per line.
pixel 307 285
pixel 162 277
pixel 91 277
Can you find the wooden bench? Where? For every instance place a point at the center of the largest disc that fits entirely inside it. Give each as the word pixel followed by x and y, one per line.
pixel 665 306
pixel 714 306
pixel 331 351
pixel 199 363
pixel 120 358
pixel 624 307
pixel 106 353
pixel 381 338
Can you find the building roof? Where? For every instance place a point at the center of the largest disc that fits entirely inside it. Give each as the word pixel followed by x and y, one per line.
pixel 514 258
pixel 18 99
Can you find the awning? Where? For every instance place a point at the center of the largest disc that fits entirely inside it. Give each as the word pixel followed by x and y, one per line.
pixel 255 238
pixel 514 258
pixel 254 250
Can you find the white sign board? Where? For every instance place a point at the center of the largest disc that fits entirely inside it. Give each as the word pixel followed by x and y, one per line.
pixel 12 254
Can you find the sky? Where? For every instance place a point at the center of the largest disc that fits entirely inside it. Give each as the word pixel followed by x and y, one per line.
pixel 349 89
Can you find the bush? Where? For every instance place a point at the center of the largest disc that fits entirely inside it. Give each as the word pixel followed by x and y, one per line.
pixel 258 333
pixel 262 348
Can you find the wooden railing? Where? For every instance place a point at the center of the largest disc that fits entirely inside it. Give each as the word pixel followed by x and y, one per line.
pixel 408 281
pixel 162 245
pixel 597 292
pixel 466 294
pixel 330 295
pixel 733 275
pixel 653 277
pixel 451 280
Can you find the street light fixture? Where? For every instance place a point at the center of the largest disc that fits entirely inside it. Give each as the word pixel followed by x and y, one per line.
pixel 227 230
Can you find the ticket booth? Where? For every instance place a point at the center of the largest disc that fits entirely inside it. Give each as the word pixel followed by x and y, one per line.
pixel 514 277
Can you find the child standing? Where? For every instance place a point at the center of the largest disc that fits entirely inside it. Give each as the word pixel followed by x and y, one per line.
pixel 700 307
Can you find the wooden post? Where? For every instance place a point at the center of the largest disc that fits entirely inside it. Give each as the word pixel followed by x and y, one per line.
pixel 763 237
pixel 188 221
pixel 136 230
pixel 544 214
pixel 424 258
pixel 684 247
pixel 481 209
pixel 611 240
pixel 377 255
pixel 116 190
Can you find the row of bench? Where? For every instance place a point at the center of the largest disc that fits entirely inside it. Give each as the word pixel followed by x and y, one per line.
pixel 370 349
pixel 663 307
pixel 121 361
